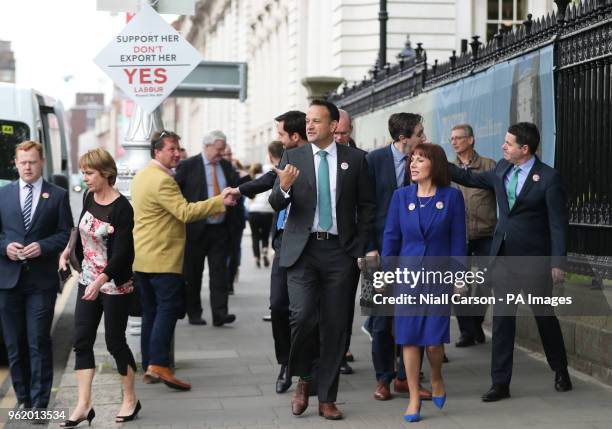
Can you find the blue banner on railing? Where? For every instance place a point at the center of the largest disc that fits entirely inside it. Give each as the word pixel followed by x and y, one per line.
pixel 518 90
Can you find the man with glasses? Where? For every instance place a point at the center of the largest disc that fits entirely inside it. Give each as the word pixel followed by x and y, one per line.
pixel 481 215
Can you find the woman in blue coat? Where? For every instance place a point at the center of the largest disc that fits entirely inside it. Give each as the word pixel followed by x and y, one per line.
pixel 425 219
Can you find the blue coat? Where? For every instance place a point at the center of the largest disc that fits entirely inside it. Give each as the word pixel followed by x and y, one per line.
pixel 445 235
pixel 50 227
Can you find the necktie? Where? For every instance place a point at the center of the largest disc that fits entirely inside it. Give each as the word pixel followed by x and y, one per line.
pixel 215 181
pixel 511 191
pixel 280 220
pixel 27 208
pixel 325 214
pixel 406 171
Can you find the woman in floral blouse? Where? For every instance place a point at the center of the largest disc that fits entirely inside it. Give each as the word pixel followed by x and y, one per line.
pixel 106 253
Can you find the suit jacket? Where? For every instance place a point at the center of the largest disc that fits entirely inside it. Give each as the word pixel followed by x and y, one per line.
pixel 381 169
pixel 50 227
pixel 537 223
pixel 191 178
pixel 444 235
pixel 354 202
pixel 262 184
pixel 160 214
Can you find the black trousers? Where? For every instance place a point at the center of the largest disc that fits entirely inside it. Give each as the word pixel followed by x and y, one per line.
pixel 87 315
pixel 214 245
pixel 26 314
pixel 471 322
pixel 504 323
pixel 261 224
pixel 320 289
pixel 279 306
pixel 355 284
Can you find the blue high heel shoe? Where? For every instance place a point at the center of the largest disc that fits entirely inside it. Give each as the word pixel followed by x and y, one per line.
pixel 439 401
pixel 413 418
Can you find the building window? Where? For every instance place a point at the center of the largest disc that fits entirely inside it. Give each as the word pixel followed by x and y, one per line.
pixel 504 15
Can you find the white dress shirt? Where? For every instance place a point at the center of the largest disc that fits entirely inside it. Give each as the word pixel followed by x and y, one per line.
pixel 332 162
pixel 23 194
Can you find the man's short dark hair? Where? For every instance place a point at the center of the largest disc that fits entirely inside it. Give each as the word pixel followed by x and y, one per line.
pixel 334 114
pixel 526 134
pixel 403 124
pixel 293 121
pixel 275 149
pixel 158 137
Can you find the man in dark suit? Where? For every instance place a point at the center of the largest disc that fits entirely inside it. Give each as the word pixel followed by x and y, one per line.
pixel 388 171
pixel 532 222
pixel 291 129
pixel 35 223
pixel 332 208
pixel 200 177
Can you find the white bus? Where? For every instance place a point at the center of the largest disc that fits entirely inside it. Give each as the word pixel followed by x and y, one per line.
pixel 26 114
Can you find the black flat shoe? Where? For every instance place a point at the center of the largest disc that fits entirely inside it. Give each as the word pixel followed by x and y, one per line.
pixel 123 419
pixel 562 381
pixel 197 321
pixel 74 423
pixel 465 341
pixel 345 368
pixel 497 392
pixel 223 320
pixel 283 382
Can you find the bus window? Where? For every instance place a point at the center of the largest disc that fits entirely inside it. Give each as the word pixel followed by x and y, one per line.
pixel 11 134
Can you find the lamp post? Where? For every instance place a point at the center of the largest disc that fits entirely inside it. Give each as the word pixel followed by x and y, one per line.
pixel 383 16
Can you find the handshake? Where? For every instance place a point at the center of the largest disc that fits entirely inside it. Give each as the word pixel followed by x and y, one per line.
pixel 286 176
pixel 230 196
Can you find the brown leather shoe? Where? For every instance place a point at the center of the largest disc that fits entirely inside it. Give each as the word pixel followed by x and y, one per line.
pixel 382 392
pixel 150 379
pixel 299 402
pixel 401 386
pixel 424 394
pixel 329 411
pixel 165 375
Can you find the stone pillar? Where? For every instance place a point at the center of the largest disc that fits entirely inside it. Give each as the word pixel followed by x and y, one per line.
pixel 320 86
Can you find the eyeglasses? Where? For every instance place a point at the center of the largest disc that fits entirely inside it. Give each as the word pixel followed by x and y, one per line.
pixel 452 139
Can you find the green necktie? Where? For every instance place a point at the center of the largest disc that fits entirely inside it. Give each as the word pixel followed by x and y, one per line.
pixel 511 191
pixel 325 210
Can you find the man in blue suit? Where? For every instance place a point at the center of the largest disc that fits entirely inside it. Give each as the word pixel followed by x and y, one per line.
pixel 35 223
pixel 388 171
pixel 532 223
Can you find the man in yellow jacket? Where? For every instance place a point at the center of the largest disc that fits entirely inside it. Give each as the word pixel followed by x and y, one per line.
pixel 160 215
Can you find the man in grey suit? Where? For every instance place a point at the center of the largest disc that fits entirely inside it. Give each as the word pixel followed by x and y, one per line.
pixel 326 230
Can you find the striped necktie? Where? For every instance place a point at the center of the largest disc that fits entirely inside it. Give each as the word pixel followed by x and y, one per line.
pixel 27 208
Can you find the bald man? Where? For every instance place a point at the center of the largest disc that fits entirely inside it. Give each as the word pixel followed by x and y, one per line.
pixel 342 135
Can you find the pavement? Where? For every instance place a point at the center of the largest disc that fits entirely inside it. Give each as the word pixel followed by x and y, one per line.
pixel 233 372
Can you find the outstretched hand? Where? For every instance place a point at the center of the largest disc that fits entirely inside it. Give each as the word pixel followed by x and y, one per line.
pixel 230 196
pixel 287 176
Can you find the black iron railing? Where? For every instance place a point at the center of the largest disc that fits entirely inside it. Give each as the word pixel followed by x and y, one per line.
pixel 582 39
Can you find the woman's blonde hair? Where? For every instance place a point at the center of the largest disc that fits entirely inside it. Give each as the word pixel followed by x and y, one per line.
pixel 102 161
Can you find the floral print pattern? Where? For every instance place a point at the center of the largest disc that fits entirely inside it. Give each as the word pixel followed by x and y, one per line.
pixel 94 236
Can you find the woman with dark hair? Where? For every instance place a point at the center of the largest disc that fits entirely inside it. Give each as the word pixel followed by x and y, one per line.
pixel 105 249
pixel 425 219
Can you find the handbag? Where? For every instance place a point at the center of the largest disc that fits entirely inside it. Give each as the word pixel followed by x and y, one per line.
pixel 135 307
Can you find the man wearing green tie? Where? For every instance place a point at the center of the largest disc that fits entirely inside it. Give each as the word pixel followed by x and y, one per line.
pixel 332 210
pixel 532 224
